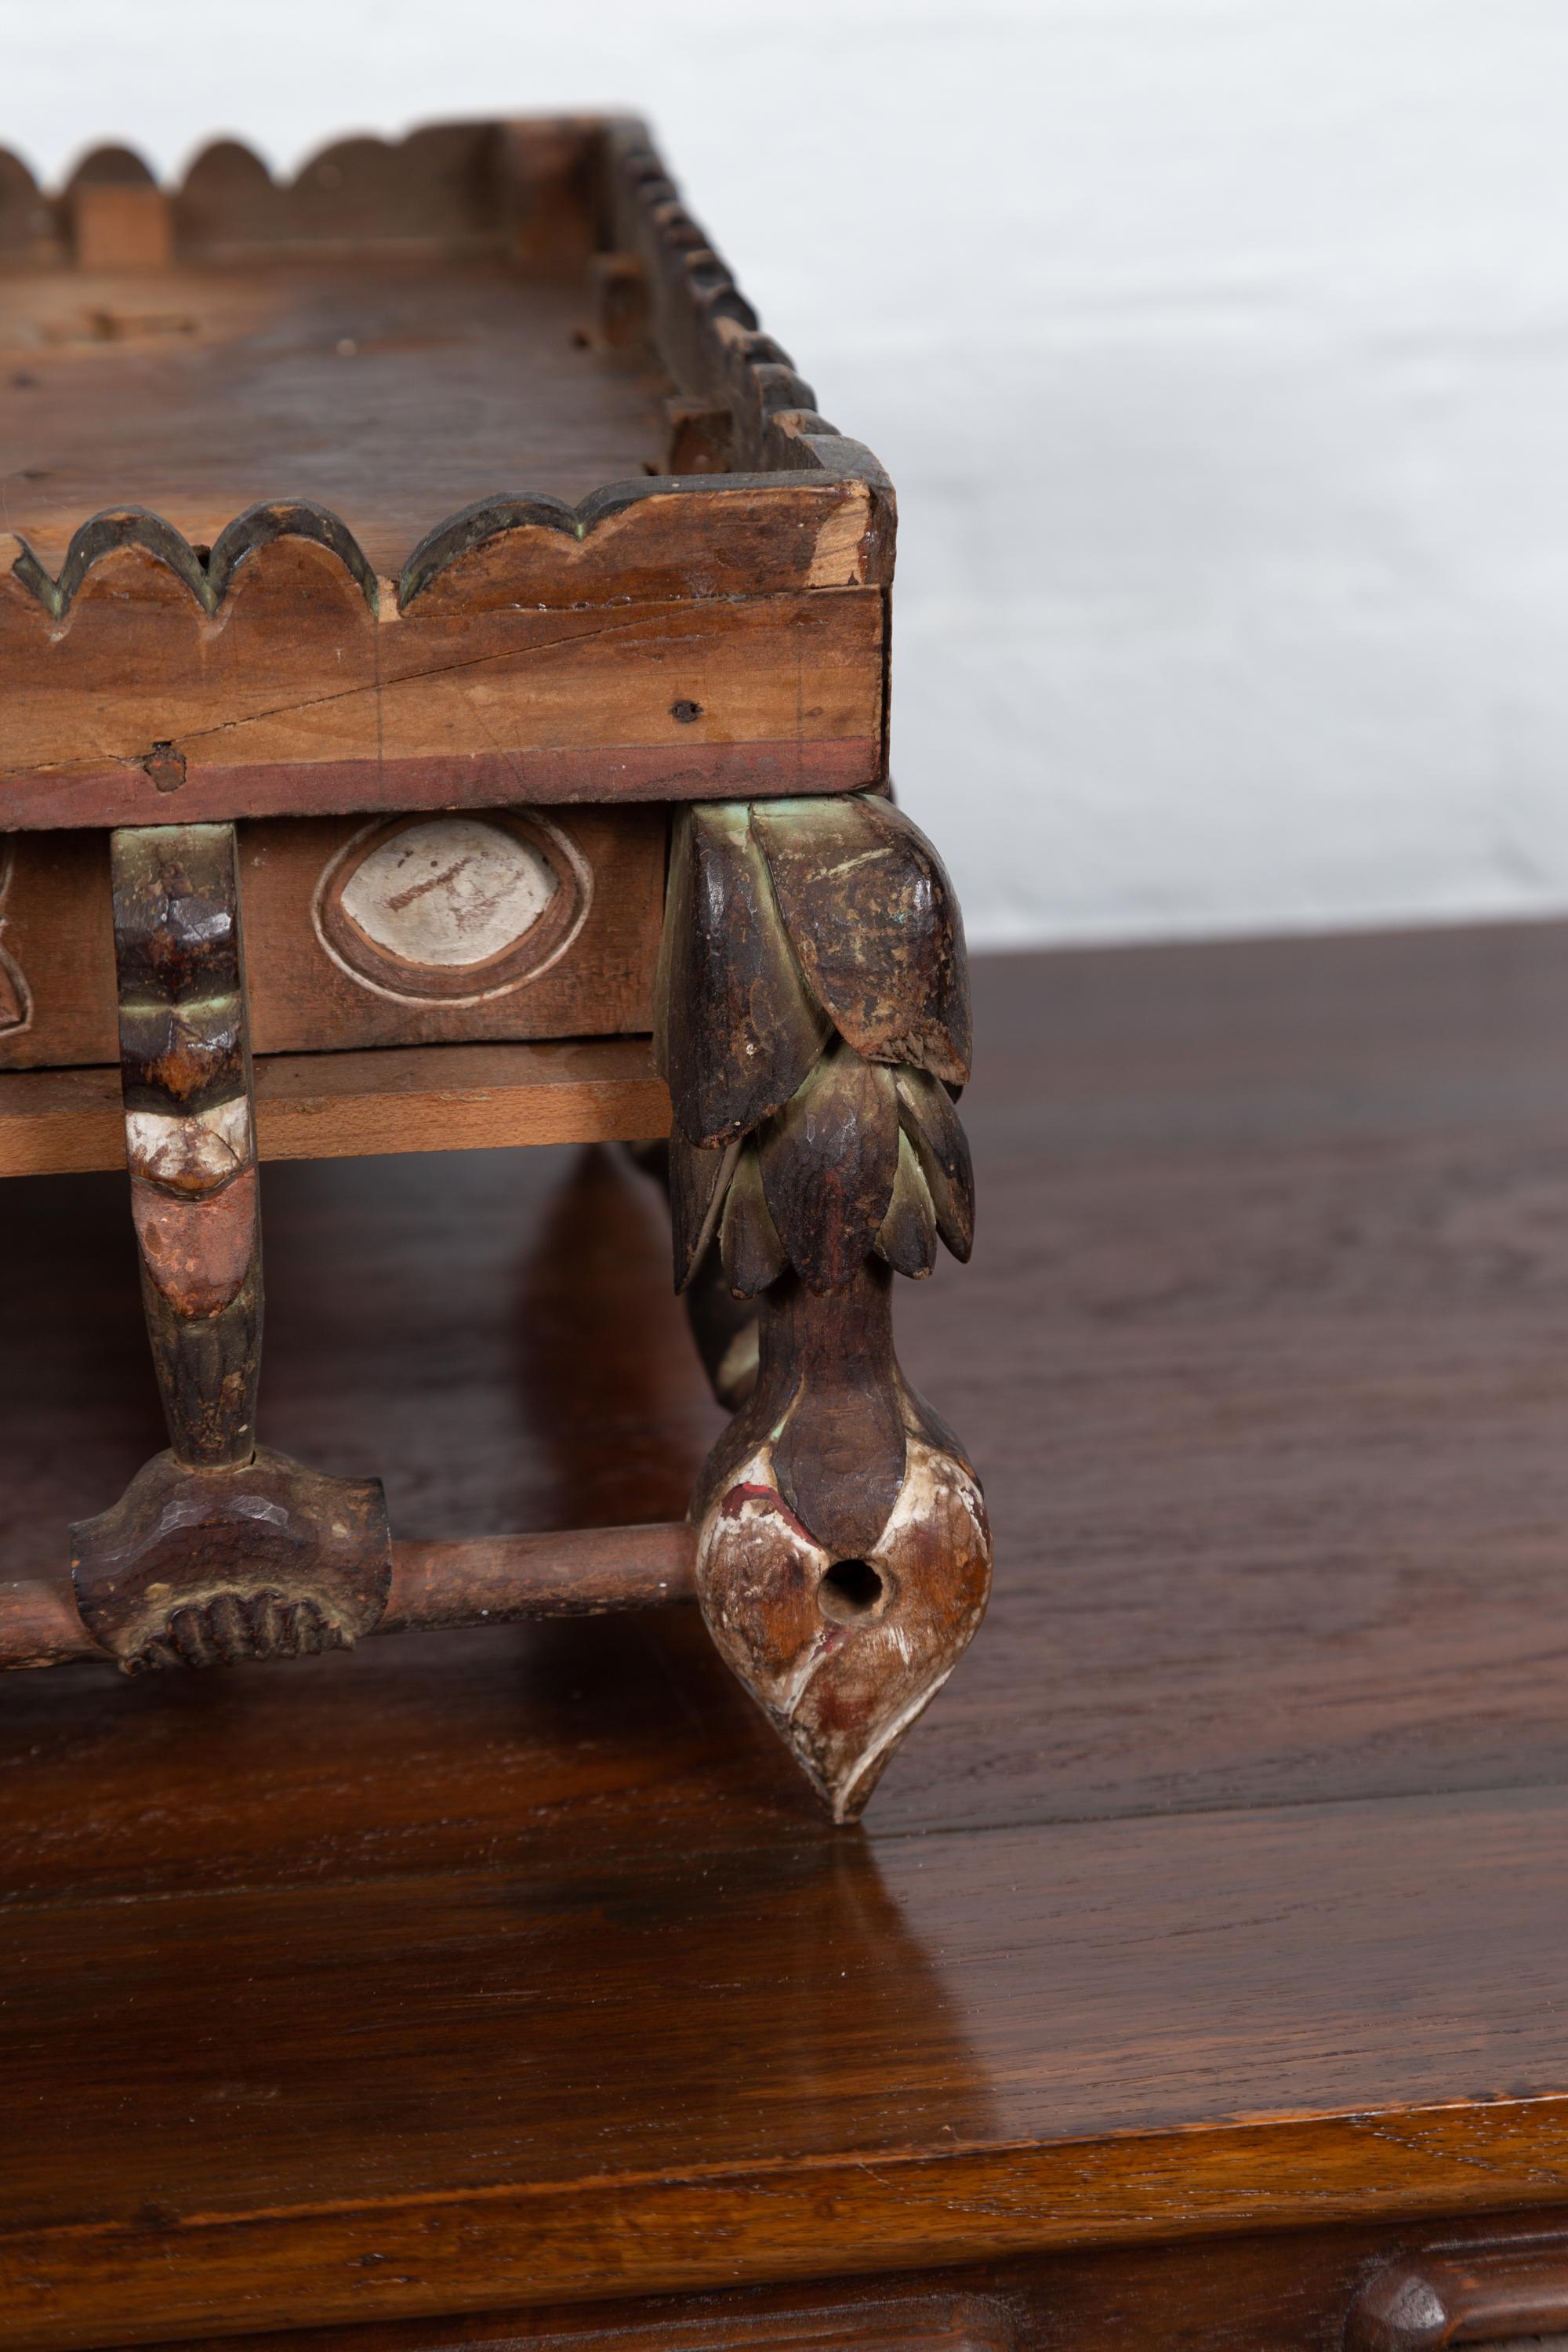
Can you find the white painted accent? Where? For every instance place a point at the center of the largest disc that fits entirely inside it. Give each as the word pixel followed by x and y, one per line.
pixel 451 893
pixel 573 872
pixel 192 1151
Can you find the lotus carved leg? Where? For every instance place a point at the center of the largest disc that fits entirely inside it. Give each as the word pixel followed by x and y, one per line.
pixel 217 1550
pixel 813 1024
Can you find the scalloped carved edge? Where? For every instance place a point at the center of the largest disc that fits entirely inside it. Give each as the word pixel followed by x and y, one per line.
pixel 706 327
pixel 209 575
pixel 707 333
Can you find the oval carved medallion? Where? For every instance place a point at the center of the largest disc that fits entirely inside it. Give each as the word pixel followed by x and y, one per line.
pixel 452 909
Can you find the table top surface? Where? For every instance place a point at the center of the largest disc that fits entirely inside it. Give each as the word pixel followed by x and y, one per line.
pixel 392 391
pixel 1222 1884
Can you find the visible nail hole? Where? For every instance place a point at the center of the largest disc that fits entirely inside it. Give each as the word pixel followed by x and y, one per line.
pixel 166 767
pixel 850 1590
pixel 203 555
pixel 683 713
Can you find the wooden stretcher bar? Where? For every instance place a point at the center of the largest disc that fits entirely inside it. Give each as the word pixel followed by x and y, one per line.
pixel 349 1106
pixel 436 1587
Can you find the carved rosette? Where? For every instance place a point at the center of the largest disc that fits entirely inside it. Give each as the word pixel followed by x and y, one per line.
pixel 812 1025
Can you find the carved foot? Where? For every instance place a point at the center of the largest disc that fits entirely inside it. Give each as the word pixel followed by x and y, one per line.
pixel 204 1567
pixel 813 1024
pixel 843 1655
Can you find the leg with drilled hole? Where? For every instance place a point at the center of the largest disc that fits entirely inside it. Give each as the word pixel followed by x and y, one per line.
pixel 217 1550
pixel 813 1023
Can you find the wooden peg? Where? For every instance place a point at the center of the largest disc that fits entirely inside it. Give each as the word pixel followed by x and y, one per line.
pixel 619 286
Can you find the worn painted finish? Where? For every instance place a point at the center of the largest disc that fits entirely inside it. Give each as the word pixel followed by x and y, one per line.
pixel 450 890
pixel 876 927
pixel 490 584
pixel 267 1559
pixel 828 1161
pixel 736 1030
pixel 843 1658
pixel 812 981
pixel 217 1550
pixel 452 909
pixel 196 1252
pixel 190 1130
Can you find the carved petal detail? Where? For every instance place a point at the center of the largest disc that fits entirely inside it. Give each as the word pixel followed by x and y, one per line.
pixel 932 1126
pixel 872 917
pixel 698 1184
pixel 735 1031
pixel 828 1161
pixel 908 1237
pixel 752 1252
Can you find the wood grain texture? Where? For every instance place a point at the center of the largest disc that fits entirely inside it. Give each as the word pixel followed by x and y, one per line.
pixel 301 701
pixel 580 1572
pixel 344 1106
pixel 415 606
pixel 167 391
pixel 710 338
pixel 1211 1919
pixel 1217 2295
pixel 59 937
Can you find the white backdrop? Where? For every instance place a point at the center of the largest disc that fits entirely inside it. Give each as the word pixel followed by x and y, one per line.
pixel 1219 349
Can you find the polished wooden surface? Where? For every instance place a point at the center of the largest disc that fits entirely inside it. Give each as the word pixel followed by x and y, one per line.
pixel 1222 1888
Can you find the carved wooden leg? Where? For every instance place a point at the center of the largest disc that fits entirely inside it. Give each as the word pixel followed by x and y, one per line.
pixel 215 1551
pixel 813 1017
